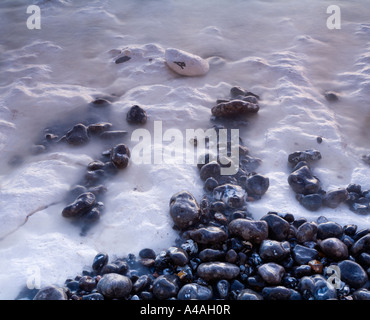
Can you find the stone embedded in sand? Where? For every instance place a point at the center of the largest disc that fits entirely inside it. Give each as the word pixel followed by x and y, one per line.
pixel 184 209
pixel 302 181
pixel 136 115
pixel 234 108
pixel 333 198
pixel 232 195
pixel 120 156
pixel 185 63
pixel 306 155
pixel 82 205
pixel 78 135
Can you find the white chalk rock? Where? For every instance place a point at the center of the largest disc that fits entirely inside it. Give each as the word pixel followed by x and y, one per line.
pixel 185 63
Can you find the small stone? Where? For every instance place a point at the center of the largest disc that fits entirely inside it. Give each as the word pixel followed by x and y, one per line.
pixel 254 231
pixel 333 199
pixel 78 135
pixel 208 235
pixel 185 63
pixel 302 271
pixel 361 294
pixel 361 245
pixel 194 291
pixel 120 156
pixel 98 128
pixel 209 254
pixel 165 287
pixel 248 294
pixel 184 209
pixel 302 254
pixel 51 293
pixel 141 283
pixel 234 108
pixel 308 155
pixel 236 92
pixel 232 195
pixel 223 287
pixel 210 184
pixel 271 272
pixel 93 297
pixel 210 271
pixel 257 185
pixel 136 115
pixel 113 135
pixel 278 228
pixel 82 205
pixel 312 202
pixel 276 293
pixel 302 181
pixel 307 232
pixel 87 283
pixel 178 256
pixel 210 170
pixel 319 139
pixel 100 102
pixel 147 253
pixel 318 287
pixel 100 260
pixel 331 96
pixel 271 250
pixel 329 230
pixel 231 256
pixel 114 286
pixel 352 274
pixel 122 59
pixel 316 266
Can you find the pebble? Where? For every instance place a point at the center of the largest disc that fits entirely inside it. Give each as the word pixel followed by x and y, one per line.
pixel 308 155
pixel 312 202
pixel 329 229
pixel 276 293
pixel 93 297
pixel 352 274
pixel 223 288
pixel 210 184
pixel 333 199
pixel 307 232
pixel 302 181
pixel 122 59
pixel 208 235
pixel 209 254
pixel 210 170
pixel 194 291
pixel 184 209
pixel 317 288
pixel 278 227
pixel 185 63
pixel 147 253
pixel 331 96
pixel 113 135
pixel 51 293
pixel 334 249
pixel 98 128
pixel 249 294
pixel 165 287
pixel 257 185
pixel 211 271
pixel 136 115
pixel 361 245
pixel 234 108
pixel 78 135
pixel 114 286
pixel 250 230
pixel 302 254
pixel 178 256
pixel 87 283
pixel 82 205
pixel 271 273
pixel 120 156
pixel 232 195
pixel 361 294
pixel 273 251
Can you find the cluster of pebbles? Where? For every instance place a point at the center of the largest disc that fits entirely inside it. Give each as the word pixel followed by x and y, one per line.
pixel 222 253
pixel 310 194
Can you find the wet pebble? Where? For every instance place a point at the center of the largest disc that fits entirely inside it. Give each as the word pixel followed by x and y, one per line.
pixel 82 205
pixel 302 254
pixel 333 199
pixel 208 235
pixel 307 232
pixel 334 249
pixel 307 155
pixel 165 287
pixel 361 245
pixel 78 135
pixel 232 195
pixel 51 293
pixel 248 294
pixel 302 181
pixel 178 256
pixel 352 273
pixel 209 254
pixel 120 156
pixel 87 283
pixel 271 273
pixel 211 271
pixel 93 297
pixel 234 108
pixel 278 228
pixel 136 115
pixel 114 286
pixel 250 230
pixel 312 202
pixel 194 291
pixel 257 185
pixel 184 209
pixel 276 293
pixel 210 170
pixel 329 229
pixel 272 250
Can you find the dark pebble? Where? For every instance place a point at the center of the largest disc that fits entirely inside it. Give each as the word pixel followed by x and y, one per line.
pixel 361 294
pixel 232 195
pixel 308 155
pixel 333 199
pixel 278 228
pixel 352 274
pixel 122 59
pixel 276 293
pixel 78 135
pixel 194 291
pixel 184 209
pixel 87 283
pixel 114 286
pixel 236 91
pixel 120 156
pixel 329 230
pixel 98 128
pixel 211 271
pixel 178 256
pixel 100 260
pixel 254 231
pixel 331 96
pixel 303 270
pixel 248 294
pixel 209 254
pixel 361 245
pixel 302 181
pixel 136 115
pixel 210 184
pixel 93 296
pixel 210 170
pixel 147 253
pixel 51 293
pixel 165 287
pixel 257 185
pixel 271 273
pixel 307 232
pixel 82 205
pixel 312 202
pixel 141 283
pixel 272 250
pixel 208 235
pixel 302 254
pixel 334 249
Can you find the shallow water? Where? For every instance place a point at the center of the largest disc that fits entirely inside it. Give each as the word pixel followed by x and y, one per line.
pixel 281 50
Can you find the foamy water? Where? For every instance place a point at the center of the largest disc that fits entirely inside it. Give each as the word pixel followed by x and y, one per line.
pixel 281 50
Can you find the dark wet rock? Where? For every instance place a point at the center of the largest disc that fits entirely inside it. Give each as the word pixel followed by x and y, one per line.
pixel 122 59
pixel 278 228
pixel 254 231
pixel 231 256
pixel 361 245
pixel 87 283
pixel 100 260
pixel 234 108
pixel 364 260
pixel 178 256
pixel 93 297
pixel 94 177
pixel 319 139
pixel 249 294
pixel 361 294
pixel 210 184
pixel 232 195
pixel 312 202
pixel 334 249
pixel 109 268
pixel 307 232
pixel 333 199
pixel 141 283
pixel 251 99
pixel 317 288
pixel 165 286
pixel 257 185
pixel 51 293
pixel 331 96
pixel 302 254
pixel 95 165
pixel 236 91
pixel 82 205
pixel 352 274
pixel 78 135
pixel 302 181
pixel 223 288
pixel 113 135
pixel 208 235
pixel 271 273
pixel 194 291
pixel 366 158
pixel 353 187
pixel 350 229
pixel 211 271
pixel 147 253
pixel 190 246
pixel 114 286
pixel 276 293
pixel 316 266
pixel 302 271
pixel 329 229
pixel 120 156
pixel 308 155
pixel 184 209
pixel 210 170
pixel 100 102
pixel 209 254
pixel 360 233
pixel 271 250
pixel 98 128
pixel 136 115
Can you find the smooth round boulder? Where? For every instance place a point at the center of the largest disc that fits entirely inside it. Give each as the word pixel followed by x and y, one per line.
pixel 114 286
